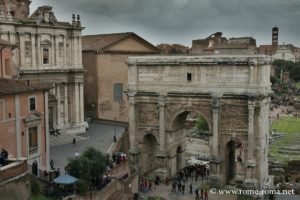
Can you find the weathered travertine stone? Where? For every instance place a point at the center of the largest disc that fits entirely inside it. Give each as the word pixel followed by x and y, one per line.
pixel 230 92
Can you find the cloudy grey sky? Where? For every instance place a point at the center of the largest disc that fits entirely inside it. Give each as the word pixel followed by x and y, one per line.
pixel 181 21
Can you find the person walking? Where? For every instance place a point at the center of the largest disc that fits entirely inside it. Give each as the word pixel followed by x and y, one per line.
pixel 156 182
pixel 191 189
pixel 52 164
pixel 202 191
pixel 174 187
pixel 206 195
pixel 197 194
pixel 179 186
pixel 183 188
pixel 150 186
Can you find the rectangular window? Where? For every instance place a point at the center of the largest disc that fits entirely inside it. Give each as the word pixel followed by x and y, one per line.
pixel 189 76
pixel 31 103
pixel 7 67
pixel 45 56
pixel 33 140
pixel 118 92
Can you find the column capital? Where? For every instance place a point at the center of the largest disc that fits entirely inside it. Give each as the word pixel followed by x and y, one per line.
pixel 161 100
pixel 251 103
pixel 131 97
pixel 131 93
pixel 215 103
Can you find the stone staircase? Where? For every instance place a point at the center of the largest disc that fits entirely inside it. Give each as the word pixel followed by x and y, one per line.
pixel 65 138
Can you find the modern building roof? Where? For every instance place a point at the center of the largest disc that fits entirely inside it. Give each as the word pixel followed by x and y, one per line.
pixel 102 42
pixel 9 86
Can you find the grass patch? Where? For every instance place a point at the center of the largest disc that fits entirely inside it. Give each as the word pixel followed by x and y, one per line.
pixel 287 125
pixel 290 126
pixel 298 85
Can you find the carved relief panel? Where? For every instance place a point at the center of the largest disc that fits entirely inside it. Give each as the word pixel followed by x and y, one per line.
pixel 234 116
pixel 148 114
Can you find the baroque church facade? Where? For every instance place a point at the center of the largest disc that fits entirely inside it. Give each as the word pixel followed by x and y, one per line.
pixel 49 51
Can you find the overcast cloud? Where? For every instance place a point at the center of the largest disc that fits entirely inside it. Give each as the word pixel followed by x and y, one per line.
pixel 181 21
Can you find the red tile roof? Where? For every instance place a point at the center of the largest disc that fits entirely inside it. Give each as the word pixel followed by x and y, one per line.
pixel 103 41
pixel 9 86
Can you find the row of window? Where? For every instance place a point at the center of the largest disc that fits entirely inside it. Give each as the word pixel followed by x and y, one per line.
pixel 31 105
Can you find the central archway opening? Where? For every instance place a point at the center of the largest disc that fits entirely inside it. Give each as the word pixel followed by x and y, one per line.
pixel 189 140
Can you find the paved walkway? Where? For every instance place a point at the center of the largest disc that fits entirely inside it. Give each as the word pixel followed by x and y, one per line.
pixel 64 138
pixel 165 191
pixel 99 136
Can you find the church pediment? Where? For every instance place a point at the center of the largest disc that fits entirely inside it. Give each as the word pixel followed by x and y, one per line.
pixel 44 15
pixel 33 118
pixel 46 42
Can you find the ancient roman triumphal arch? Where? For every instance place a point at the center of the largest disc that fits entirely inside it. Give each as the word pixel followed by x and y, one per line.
pixel 230 92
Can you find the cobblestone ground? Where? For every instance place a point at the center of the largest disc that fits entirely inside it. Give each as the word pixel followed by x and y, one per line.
pixel 165 191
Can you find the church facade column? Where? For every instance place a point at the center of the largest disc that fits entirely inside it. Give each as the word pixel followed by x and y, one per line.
pixel 33 48
pixel 38 50
pixel 66 105
pixel 52 50
pixel 22 49
pixel 58 111
pixel 81 102
pixel 56 50
pixel 65 61
pixel 47 131
pixel 76 102
pixel 79 52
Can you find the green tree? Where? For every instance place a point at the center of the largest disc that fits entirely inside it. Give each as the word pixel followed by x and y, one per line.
pixel 90 164
pixel 81 187
pixel 201 123
pixel 287 66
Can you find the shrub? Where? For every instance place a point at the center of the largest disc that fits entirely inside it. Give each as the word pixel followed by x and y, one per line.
pixel 35 187
pixel 81 187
